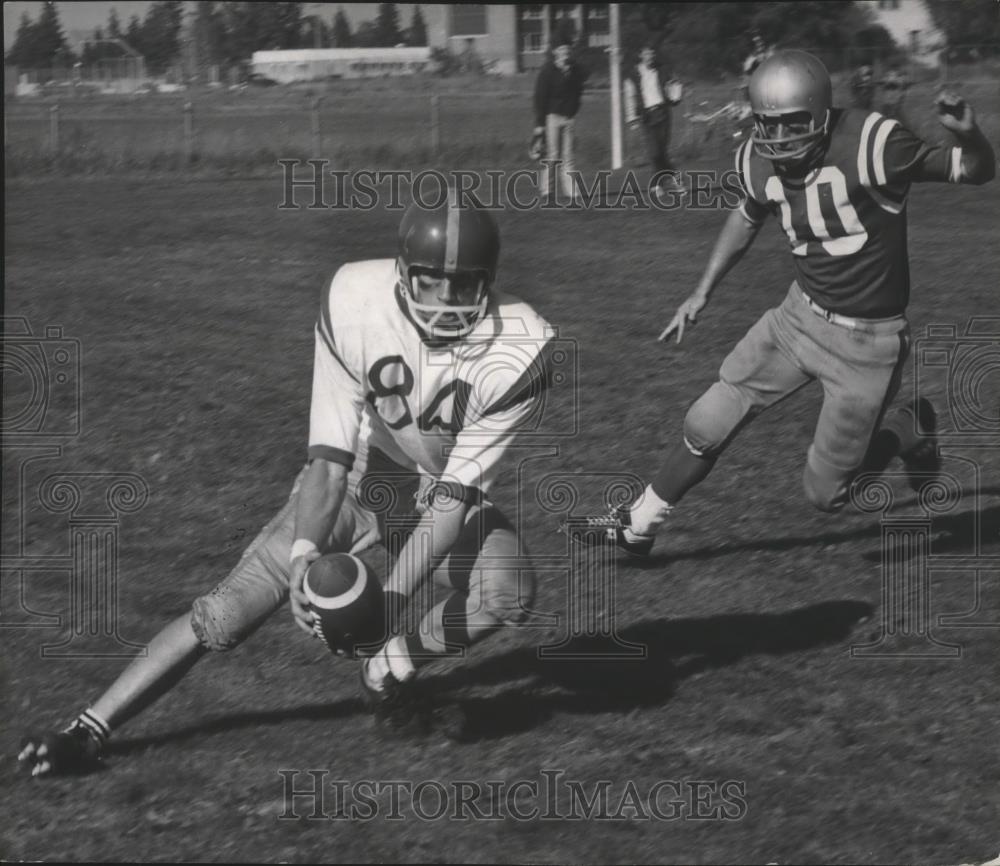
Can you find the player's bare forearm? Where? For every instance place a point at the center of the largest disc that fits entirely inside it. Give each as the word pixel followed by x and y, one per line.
pixel 736 236
pixel 434 537
pixel 734 240
pixel 320 498
pixel 321 495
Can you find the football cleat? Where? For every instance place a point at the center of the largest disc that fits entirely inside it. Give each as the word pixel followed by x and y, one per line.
pixel 922 460
pixel 609 529
pixel 395 704
pixel 71 752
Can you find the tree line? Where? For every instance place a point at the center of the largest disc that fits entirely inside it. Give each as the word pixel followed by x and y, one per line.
pixel 221 33
pixel 703 38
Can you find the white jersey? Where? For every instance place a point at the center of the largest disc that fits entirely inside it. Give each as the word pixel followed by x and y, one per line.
pixel 446 409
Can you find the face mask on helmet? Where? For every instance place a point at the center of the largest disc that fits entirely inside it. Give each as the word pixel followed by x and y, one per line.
pixel 788 138
pixel 791 97
pixel 444 305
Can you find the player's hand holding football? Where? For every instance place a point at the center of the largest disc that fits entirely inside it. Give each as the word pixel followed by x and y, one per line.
pixel 954 112
pixel 301 609
pixel 686 312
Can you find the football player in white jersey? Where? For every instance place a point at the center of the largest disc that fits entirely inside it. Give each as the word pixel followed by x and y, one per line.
pixel 419 360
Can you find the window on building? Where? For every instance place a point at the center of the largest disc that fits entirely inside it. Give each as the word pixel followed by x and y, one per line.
pixel 598 11
pixel 469 19
pixel 531 43
pixel 532 12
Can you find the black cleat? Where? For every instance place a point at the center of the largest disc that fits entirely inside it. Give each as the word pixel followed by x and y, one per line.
pixel 74 751
pixel 922 459
pixel 609 529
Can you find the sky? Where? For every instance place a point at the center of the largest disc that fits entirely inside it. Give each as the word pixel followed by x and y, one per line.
pixel 80 19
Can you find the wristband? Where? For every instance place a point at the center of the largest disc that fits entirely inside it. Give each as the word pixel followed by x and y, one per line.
pixel 302 547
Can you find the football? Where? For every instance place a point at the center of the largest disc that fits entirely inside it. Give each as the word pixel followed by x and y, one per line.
pixel 348 601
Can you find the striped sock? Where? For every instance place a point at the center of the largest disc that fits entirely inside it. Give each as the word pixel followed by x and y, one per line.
pixel 98 729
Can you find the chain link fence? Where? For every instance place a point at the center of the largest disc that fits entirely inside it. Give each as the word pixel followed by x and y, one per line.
pixel 410 125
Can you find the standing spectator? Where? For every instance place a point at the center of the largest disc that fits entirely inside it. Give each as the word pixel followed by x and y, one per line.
pixel 758 54
pixel 558 89
pixel 649 93
pixel 863 88
pixel 471 61
pixel 893 91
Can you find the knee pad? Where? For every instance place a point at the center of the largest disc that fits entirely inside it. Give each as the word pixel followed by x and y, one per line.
pixel 215 623
pixel 508 591
pixel 713 418
pixel 501 579
pixel 233 610
pixel 254 589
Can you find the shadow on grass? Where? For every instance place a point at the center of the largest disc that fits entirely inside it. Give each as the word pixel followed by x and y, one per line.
pixel 591 676
pixel 311 712
pixel 602 678
pixel 675 649
pixel 967 533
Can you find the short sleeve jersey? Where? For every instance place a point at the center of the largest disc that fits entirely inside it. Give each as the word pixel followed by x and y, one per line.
pixel 446 409
pixel 846 219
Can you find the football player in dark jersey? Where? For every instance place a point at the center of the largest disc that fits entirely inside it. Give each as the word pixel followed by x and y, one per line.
pixel 837 181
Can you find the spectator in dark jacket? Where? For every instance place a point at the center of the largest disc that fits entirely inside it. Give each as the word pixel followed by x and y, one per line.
pixel 892 92
pixel 650 91
pixel 558 89
pixel 863 88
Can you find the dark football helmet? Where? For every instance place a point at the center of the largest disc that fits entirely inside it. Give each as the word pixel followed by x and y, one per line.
pixel 453 241
pixel 791 97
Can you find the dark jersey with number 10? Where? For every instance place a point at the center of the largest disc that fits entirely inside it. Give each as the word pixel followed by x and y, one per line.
pixel 846 219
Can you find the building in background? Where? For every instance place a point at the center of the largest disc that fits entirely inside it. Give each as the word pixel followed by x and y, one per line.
pixel 494 38
pixel 911 26
pixel 539 23
pixel 317 64
pixel 516 37
pixel 484 35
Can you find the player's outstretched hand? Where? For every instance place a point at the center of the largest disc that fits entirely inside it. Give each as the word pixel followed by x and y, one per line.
pixel 69 752
pixel 954 112
pixel 686 312
pixel 301 609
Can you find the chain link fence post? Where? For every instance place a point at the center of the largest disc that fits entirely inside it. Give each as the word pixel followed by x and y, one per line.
pixel 54 130
pixel 317 131
pixel 435 126
pixel 188 133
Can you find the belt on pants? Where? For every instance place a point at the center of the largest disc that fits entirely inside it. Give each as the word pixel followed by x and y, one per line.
pixel 835 318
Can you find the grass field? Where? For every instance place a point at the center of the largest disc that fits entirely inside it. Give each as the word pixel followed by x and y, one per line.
pixel 193 304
